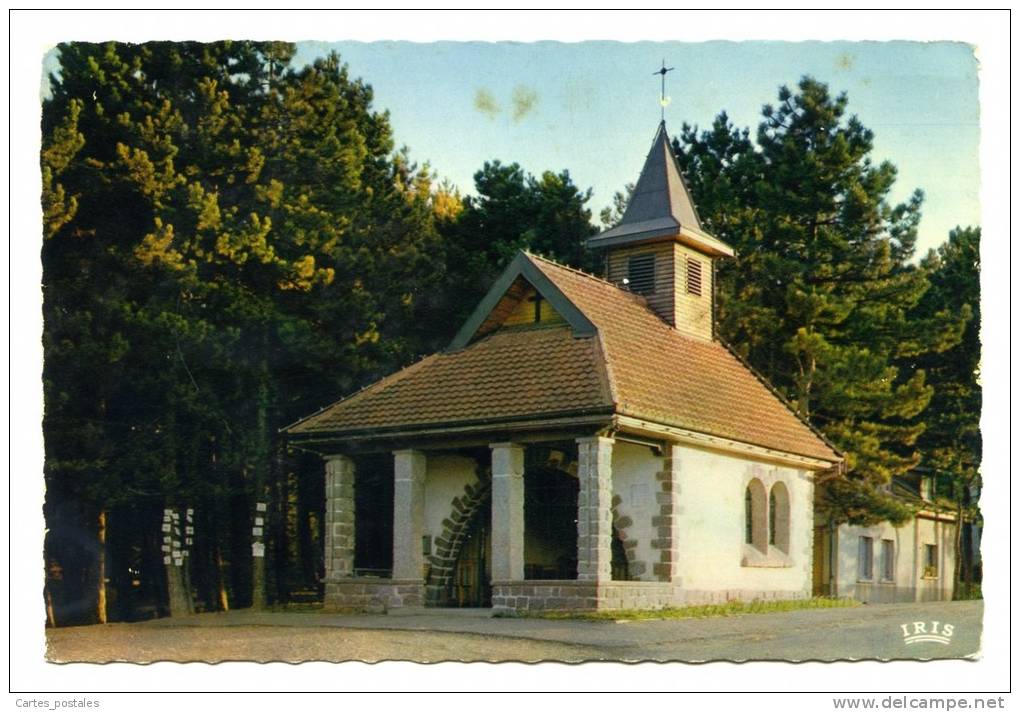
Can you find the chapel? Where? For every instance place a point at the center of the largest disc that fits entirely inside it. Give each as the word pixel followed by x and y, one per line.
pixel 583 442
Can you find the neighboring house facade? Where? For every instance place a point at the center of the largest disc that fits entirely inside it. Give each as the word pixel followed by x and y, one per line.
pixel 888 564
pixel 581 443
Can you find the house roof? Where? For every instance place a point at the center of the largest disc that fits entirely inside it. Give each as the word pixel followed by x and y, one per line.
pixel 614 355
pixel 661 207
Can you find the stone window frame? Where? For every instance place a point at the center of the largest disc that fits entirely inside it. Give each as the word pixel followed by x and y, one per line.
pixel 759 553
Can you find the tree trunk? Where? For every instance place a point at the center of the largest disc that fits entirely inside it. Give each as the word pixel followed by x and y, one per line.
pixel 101 567
pixel 957 549
pixel 261 466
pixel 968 558
pixel 221 585
pixel 176 591
pixel 51 618
pixel 178 599
pixel 281 526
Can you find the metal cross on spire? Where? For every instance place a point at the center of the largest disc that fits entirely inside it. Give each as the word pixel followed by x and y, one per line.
pixel 663 99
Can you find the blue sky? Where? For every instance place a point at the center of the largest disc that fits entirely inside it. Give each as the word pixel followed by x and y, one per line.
pixel 592 107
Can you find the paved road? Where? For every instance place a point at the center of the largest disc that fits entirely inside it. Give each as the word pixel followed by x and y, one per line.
pixel 865 632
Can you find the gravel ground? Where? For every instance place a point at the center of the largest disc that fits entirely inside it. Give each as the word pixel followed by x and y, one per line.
pixel 429 635
pixel 134 643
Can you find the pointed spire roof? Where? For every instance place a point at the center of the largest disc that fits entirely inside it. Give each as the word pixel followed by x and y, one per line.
pixel 661 207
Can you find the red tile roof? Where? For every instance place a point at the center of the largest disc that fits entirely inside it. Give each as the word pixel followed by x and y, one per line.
pixel 634 365
pixel 511 374
pixel 659 374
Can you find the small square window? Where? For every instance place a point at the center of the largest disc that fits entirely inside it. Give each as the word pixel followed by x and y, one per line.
pixel 641 274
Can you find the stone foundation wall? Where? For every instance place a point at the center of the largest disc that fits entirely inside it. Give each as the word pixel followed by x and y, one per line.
pixel 522 596
pixel 513 596
pixel 374 593
pixel 701 598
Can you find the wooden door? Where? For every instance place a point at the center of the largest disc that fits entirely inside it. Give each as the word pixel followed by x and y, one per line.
pixel 471 587
pixel 820 563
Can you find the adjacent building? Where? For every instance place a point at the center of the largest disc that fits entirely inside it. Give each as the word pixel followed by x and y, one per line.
pixel 889 564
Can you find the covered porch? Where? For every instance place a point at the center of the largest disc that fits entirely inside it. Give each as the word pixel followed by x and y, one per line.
pixel 528 523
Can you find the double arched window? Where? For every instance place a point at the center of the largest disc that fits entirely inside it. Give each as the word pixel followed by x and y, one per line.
pixel 767 518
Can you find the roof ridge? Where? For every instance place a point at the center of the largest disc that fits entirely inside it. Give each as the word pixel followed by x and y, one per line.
pixel 582 273
pixel 698 225
pixel 607 365
pixel 778 395
pixel 636 298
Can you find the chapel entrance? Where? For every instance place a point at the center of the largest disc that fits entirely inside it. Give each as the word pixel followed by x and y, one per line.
pixel 550 523
pixel 471 587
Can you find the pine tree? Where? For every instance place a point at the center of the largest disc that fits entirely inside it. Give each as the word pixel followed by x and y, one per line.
pixel 227 239
pixel 822 295
pixel 512 210
pixel 951 442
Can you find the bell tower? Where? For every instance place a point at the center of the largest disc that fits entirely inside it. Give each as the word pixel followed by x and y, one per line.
pixel 660 250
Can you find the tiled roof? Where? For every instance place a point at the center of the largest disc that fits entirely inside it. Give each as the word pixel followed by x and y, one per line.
pixel 510 374
pixel 635 364
pixel 659 374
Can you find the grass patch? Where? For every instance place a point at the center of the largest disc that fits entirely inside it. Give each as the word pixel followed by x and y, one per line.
pixel 730 608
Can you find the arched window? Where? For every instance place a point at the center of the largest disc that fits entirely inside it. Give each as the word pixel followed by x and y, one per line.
pixel 779 517
pixel 755 516
pixel 748 516
pixel 772 516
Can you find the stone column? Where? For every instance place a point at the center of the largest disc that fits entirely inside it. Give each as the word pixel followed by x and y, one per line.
pixel 339 517
pixel 666 523
pixel 594 509
pixel 507 512
pixel 408 514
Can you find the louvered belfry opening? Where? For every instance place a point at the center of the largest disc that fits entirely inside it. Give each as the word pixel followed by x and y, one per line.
pixel 641 273
pixel 660 250
pixel 694 276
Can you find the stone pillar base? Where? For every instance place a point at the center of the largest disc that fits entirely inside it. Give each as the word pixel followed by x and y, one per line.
pixel 374 594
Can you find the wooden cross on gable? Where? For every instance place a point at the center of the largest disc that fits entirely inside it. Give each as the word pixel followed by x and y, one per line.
pixel 537 299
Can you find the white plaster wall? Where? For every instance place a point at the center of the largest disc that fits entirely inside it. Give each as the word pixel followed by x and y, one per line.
pixel 848 580
pixel 634 470
pixel 909 584
pixel 445 477
pixel 711 524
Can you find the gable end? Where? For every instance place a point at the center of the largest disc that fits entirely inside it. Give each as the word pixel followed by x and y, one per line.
pixel 522 267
